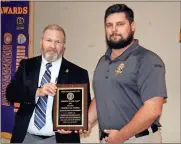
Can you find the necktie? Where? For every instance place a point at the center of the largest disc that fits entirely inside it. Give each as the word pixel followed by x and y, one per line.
pixel 40 108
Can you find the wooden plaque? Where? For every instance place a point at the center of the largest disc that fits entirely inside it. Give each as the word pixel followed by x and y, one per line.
pixel 71 107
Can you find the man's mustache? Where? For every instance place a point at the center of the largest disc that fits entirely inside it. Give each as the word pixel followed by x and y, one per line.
pixel 114 34
pixel 51 51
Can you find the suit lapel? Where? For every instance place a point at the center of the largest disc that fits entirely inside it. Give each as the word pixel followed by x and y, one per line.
pixel 36 71
pixel 63 73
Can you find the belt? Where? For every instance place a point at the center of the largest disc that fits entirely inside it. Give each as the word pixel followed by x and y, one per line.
pixel 43 137
pixel 103 135
pixel 153 128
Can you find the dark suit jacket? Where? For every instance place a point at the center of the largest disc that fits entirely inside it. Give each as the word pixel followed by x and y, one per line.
pixel 22 89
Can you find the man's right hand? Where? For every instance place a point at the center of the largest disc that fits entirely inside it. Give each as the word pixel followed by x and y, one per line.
pixel 47 89
pixel 85 131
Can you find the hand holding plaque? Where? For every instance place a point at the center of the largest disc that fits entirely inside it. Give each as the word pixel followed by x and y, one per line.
pixel 71 107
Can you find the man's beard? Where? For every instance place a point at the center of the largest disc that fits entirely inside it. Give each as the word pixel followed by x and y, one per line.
pixel 122 43
pixel 50 56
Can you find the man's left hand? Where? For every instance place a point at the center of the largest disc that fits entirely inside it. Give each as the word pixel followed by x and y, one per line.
pixel 85 132
pixel 114 136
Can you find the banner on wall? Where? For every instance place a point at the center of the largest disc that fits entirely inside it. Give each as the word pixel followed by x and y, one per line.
pixel 14 48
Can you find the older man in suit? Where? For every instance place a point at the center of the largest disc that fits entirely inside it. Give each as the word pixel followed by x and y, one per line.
pixel 34 87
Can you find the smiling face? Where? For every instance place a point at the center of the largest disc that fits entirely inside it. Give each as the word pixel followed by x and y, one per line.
pixel 52 44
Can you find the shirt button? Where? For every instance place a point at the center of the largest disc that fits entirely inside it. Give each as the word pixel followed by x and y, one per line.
pixel 106 77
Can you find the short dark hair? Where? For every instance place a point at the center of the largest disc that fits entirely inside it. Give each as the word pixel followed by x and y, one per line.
pixel 117 8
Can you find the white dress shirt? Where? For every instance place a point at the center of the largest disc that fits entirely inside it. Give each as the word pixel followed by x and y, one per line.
pixel 47 130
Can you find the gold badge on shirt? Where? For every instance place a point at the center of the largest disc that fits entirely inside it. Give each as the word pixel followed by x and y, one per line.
pixel 120 68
